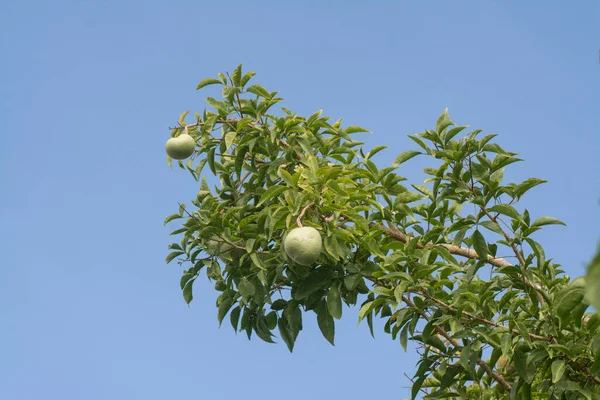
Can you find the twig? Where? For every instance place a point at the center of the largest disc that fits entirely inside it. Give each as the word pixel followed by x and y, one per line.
pixel 299 219
pixel 413 382
pixel 242 179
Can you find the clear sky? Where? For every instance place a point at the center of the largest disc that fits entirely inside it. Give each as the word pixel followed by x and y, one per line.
pixel 88 88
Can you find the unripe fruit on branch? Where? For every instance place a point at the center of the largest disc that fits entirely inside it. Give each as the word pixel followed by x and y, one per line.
pixel 303 245
pixel 181 147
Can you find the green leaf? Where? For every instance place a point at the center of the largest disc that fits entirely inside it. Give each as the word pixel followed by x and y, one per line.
pixel 239 160
pixel 368 307
pixel 208 81
pixel 211 160
pixel 334 302
pixel 569 299
pixel 171 218
pixel 262 330
pixel 404 336
pixel 315 281
pixel 351 281
pixel 271 319
pixel 492 226
pixel 435 342
pixel 409 197
pixel 416 386
pixel 223 309
pixel 523 187
pixel 173 255
pixel 507 210
pixel 547 221
pixel 520 361
pixel 453 132
pixel 234 317
pixel 468 358
pixel 595 368
pixel 286 333
pixel 419 142
pixel 370 324
pixel 286 177
pixel 229 139
pixel 399 291
pixel 405 156
pixel 259 91
pixel 182 116
pixel 237 75
pixel 443 120
pixel 480 245
pixel 270 193
pixel 356 129
pixel 247 76
pixel 187 291
pixel 246 288
pixel 558 369
pixel 185 279
pixel 592 291
pixel 374 151
pixel 326 323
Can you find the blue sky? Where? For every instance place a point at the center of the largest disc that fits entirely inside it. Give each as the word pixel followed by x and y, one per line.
pixel 90 310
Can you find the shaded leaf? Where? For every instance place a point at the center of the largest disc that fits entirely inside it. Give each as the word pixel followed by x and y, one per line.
pixel 246 288
pixel 326 323
pixel 285 333
pixel 315 281
pixel 334 302
pixel 593 282
pixel 234 317
pixel 480 245
pixel 187 291
pixel 223 309
pixel 173 255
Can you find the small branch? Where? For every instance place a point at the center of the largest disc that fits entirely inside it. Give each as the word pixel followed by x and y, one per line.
pixel 242 179
pixel 522 262
pixel 496 376
pixel 238 246
pixel 413 382
pixel 480 319
pixel 299 219
pixel 461 251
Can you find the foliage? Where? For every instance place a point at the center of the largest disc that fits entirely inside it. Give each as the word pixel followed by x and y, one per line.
pixel 426 258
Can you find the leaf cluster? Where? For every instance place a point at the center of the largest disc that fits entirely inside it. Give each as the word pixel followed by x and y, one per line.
pixel 451 264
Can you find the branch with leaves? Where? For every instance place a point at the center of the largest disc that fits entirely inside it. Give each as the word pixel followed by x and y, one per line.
pixel 413 255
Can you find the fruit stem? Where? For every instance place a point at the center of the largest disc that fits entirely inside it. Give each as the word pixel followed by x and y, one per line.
pixel 299 219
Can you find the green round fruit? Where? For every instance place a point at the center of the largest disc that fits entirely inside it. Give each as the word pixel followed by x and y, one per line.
pixel 303 245
pixel 181 147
